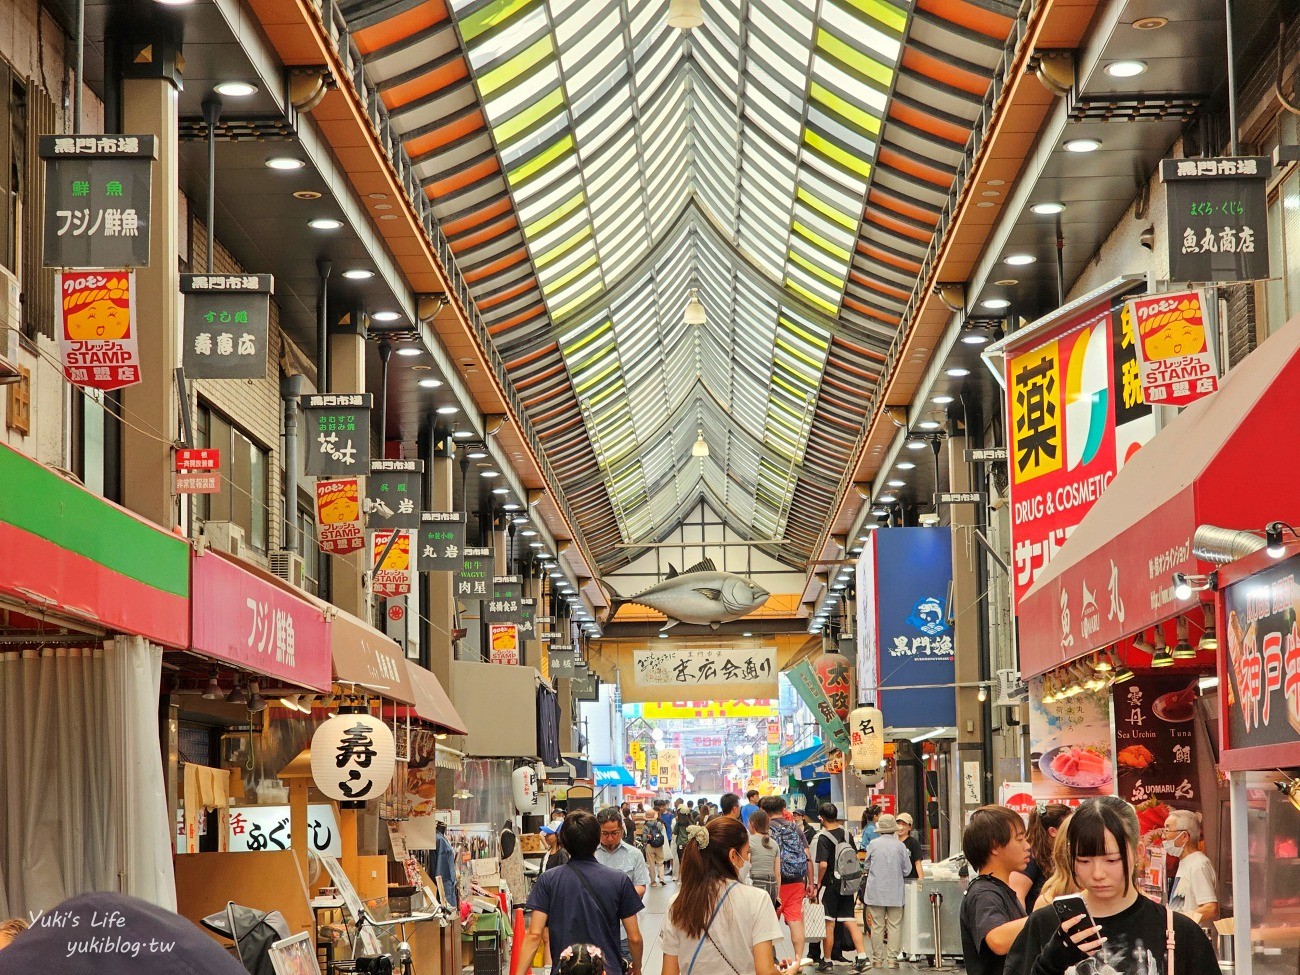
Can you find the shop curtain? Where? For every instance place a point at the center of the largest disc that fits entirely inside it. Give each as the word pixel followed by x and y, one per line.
pixel 84 805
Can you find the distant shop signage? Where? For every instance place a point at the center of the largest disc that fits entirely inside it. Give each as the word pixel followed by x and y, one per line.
pixel 504 643
pixel 1217 218
pixel 1174 347
pixel 986 454
pixel 394 491
pixel 503 606
pixel 198 471
pixel 98 192
pixel 338 434
pixel 561 663
pixel 442 541
pixel 97 328
pixel 396 575
pixel 226 325
pixel 475 575
pixel 959 497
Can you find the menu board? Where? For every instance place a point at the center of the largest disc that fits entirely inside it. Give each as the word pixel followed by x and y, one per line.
pixel 1155 742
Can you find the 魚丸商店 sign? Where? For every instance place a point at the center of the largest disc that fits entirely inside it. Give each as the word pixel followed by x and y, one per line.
pixel 338 434
pixel 226 324
pixel 198 470
pixel 97 199
pixel 338 516
pixel 255 625
pixel 394 490
pixel 98 340
pixel 475 575
pixel 1175 354
pixel 442 541
pixel 1217 218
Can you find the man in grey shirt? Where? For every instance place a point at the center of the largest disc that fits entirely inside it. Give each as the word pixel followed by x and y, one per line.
pixel 888 862
pixel 621 856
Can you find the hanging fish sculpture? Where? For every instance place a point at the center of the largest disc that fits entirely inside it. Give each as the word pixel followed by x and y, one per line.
pixel 700 595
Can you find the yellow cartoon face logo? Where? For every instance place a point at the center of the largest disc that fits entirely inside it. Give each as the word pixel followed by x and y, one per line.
pixel 98 313
pixel 1174 333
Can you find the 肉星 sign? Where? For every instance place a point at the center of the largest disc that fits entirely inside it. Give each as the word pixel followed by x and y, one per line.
pixel 338 434
pixel 97 200
pixel 198 470
pixel 475 575
pixel 97 328
pixel 226 324
pixel 1217 218
pixel 1175 355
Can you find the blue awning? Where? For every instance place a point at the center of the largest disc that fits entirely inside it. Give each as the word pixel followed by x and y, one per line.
pixel 802 756
pixel 613 775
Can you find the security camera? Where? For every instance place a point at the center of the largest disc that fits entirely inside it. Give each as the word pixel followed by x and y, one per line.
pixel 871 776
pixel 378 507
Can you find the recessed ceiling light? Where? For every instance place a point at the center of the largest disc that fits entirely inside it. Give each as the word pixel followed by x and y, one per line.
pixel 879 511
pixel 324 223
pixel 1020 260
pixel 1151 23
pixel 957 372
pixel 896 484
pixel 430 383
pixel 386 316
pixel 377 196
pixel 528 533
pixel 905 465
pixel 995 303
pixel 943 400
pixel 1047 209
pixel 995 182
pixel 991 193
pixel 1083 145
pixel 306 195
pixel 929 424
pixel 916 445
pixel 477 453
pixel 235 89
pixel 513 506
pixel 501 490
pixel 1126 69
pixel 388 216
pixel 985 204
pixel 974 338
pixel 462 434
pixel 358 273
pixel 447 410
pixel 489 473
pixel 285 162
pixel 410 350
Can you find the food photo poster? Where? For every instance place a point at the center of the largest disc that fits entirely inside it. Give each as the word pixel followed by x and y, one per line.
pixel 1071 743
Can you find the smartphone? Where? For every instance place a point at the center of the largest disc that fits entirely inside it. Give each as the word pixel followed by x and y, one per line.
pixel 1069 906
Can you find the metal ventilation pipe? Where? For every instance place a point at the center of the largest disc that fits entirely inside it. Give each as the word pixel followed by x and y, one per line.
pixel 1211 543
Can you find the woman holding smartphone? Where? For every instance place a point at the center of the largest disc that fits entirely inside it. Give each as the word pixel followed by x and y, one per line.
pixel 1109 926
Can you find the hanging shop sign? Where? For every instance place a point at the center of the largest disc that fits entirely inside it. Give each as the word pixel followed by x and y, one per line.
pixel 338 434
pixel 682 710
pixel 252 829
pixel 527 791
pixel 504 642
pixel 1155 740
pixel 867 744
pixel 98 191
pixel 352 758
pixel 910 572
pixel 1174 349
pixel 1217 218
pixel 197 471
pixel 475 574
pixel 1262 706
pixel 670 768
pixel 720 674
pixel 227 319
pixel 561 662
pixel 637 751
pixel 338 516
pixel 397 575
pixel 809 689
pixel 503 605
pixel 243 619
pixel 366 658
pixel 586 685
pixel 442 541
pixel 393 492
pixel 832 671
pixel 1076 414
pixel 1071 746
pixel 98 340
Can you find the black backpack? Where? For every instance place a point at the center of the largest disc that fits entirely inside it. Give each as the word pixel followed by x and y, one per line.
pixel 654 834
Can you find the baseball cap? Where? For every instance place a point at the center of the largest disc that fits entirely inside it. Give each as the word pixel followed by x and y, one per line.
pixel 903 818
pixel 548 831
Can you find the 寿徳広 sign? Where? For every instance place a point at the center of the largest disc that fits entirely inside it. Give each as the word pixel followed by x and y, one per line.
pixel 97 200
pixel 226 324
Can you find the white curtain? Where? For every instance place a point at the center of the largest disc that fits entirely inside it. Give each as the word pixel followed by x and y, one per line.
pixel 83 804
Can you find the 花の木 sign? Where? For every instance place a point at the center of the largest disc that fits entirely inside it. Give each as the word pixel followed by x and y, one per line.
pixel 226 323
pixel 97 200
pixel 1175 354
pixel 338 434
pixel 97 328
pixel 394 490
pixel 1217 218
pixel 442 541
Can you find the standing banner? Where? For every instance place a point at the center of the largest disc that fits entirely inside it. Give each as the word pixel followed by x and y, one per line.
pixel 504 643
pixel 338 434
pixel 1155 740
pixel 338 516
pixel 1175 354
pixel 834 731
pixel 1217 218
pixel 226 324
pixel 98 195
pixel 1071 746
pixel 474 575
pixel 442 541
pixel 397 575
pixel 393 493
pixel 97 328
pixel 1075 416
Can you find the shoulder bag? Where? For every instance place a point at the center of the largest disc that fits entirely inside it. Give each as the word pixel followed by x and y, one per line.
pixel 610 932
pixel 712 917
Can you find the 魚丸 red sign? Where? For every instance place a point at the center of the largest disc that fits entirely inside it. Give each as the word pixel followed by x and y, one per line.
pixel 198 470
pixel 256 625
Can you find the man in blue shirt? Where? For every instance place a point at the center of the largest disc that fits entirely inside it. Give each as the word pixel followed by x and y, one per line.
pixel 582 902
pixel 747 810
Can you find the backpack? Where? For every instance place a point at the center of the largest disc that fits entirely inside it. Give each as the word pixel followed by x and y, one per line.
pixel 654 834
pixel 794 852
pixel 844 864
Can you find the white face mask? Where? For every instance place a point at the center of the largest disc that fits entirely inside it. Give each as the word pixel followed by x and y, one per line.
pixel 1172 849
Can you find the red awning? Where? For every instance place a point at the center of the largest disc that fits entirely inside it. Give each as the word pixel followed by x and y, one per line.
pixel 431 701
pixel 1229 460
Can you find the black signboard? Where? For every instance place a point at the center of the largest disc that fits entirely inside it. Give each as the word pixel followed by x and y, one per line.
pixel 442 541
pixel 1217 218
pixel 1263 662
pixel 586 685
pixel 475 575
pixel 959 497
pixel 338 435
pixel 394 490
pixel 561 662
pixel 1155 741
pixel 984 454
pixel 97 200
pixel 503 606
pixel 227 319
pixel 527 619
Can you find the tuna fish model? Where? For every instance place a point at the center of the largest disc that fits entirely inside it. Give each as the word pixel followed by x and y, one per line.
pixel 700 595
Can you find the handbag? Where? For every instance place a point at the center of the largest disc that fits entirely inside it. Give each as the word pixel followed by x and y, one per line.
pixel 691 967
pixel 814 915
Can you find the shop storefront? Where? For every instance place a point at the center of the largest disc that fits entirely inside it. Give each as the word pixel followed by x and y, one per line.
pixel 90 596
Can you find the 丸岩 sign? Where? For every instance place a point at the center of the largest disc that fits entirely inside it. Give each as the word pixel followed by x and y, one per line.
pixel 393 493
pixel 338 516
pixel 338 434
pixel 474 575
pixel 97 200
pixel 397 574
pixel 442 541
pixel 1217 218
pixel 226 323
pixel 1175 354
pixel 97 328
pixel 197 470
